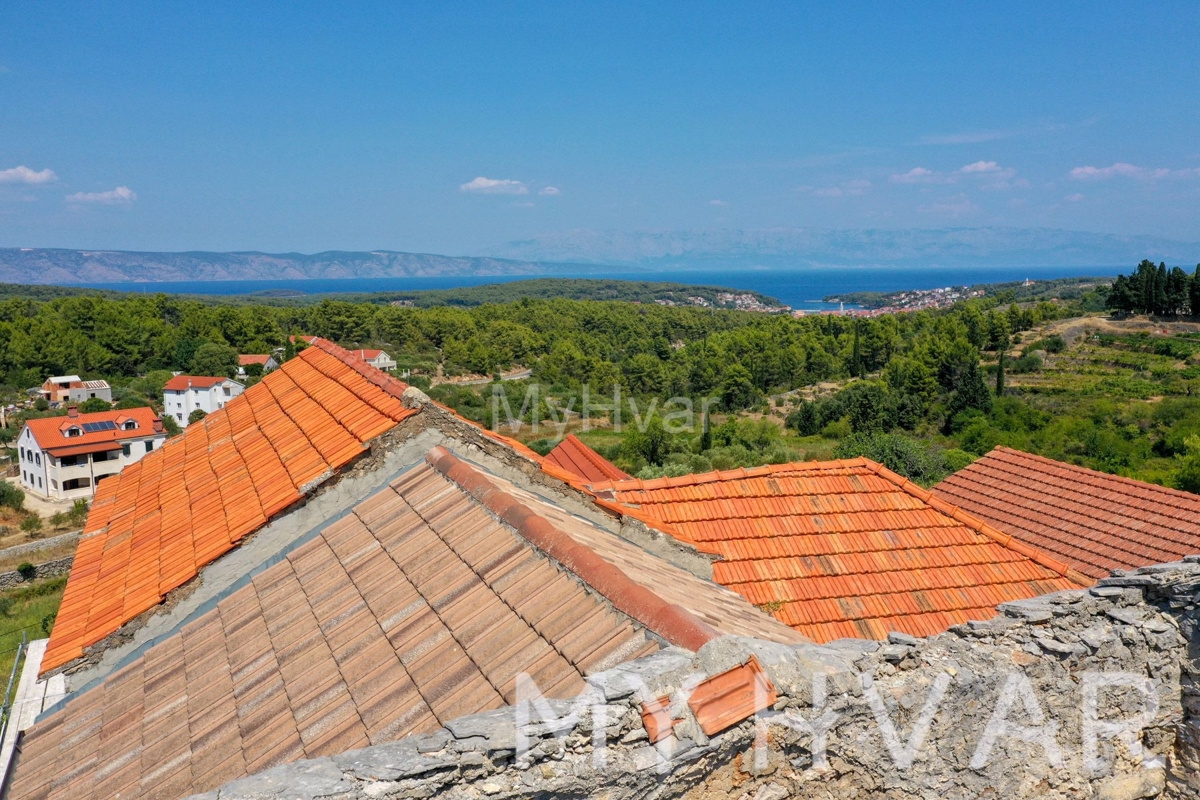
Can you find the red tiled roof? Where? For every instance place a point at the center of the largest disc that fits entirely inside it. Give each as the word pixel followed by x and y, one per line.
pixel 843 548
pixel 244 360
pixel 181 383
pixel 156 523
pixel 577 459
pixel 367 355
pixel 1094 521
pixel 49 431
pixel 418 607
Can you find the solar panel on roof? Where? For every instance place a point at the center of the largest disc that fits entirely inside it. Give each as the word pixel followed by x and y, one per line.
pixel 93 427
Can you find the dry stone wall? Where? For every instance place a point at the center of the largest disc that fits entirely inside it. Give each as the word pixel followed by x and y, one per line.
pixel 1087 694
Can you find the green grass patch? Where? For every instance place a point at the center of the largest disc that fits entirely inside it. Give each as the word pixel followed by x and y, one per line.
pixel 23 610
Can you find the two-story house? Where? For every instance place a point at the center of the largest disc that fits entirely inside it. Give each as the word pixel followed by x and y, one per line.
pixel 185 394
pixel 63 458
pixel 377 359
pixel 72 389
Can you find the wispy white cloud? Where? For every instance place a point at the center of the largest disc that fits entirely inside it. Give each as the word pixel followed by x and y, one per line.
pixel 122 195
pixel 23 174
pixel 980 167
pixel 482 185
pixel 550 191
pixel 717 203
pixel 919 175
pixel 1074 198
pixel 1122 169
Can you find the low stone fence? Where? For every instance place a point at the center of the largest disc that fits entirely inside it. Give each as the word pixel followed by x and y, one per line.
pixel 39 544
pixel 1084 694
pixel 50 569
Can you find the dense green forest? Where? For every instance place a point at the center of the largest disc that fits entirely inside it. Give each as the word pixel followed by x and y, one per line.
pixel 1156 290
pixel 926 391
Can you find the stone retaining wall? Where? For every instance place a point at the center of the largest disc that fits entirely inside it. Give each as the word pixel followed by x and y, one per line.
pixel 1085 694
pixel 39 544
pixel 51 569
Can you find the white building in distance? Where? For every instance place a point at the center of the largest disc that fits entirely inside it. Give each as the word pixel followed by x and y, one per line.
pixel 184 394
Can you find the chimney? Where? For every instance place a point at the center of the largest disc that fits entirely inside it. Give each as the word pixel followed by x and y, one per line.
pixel 158 425
pixel 73 412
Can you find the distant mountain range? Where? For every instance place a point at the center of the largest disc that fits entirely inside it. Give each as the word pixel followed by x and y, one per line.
pixel 33 265
pixel 590 251
pixel 811 247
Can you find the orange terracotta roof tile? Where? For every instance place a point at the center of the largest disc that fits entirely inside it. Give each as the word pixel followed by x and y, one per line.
pixel 160 520
pixel 181 383
pixel 575 458
pixel 843 548
pixel 1091 520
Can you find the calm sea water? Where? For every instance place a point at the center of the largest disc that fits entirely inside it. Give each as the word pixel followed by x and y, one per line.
pixel 801 288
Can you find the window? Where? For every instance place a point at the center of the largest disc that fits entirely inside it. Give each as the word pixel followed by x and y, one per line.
pixel 76 483
pixel 37 458
pixel 53 483
pixel 129 425
pixel 22 449
pixel 149 445
pixel 227 391
pixel 68 461
pixel 39 483
pixel 73 431
pixel 125 449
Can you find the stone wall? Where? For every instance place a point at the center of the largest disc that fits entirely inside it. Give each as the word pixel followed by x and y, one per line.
pixel 50 569
pixel 1087 694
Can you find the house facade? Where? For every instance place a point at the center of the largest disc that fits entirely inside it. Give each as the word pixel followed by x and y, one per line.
pixel 63 458
pixel 185 394
pixel 377 359
pixel 72 389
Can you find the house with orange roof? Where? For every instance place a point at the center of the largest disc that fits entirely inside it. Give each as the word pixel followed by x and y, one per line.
pixel 65 458
pixel 1093 521
pixel 267 362
pixel 183 395
pixel 377 359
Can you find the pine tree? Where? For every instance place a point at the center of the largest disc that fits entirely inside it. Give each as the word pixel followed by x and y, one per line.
pixel 1195 293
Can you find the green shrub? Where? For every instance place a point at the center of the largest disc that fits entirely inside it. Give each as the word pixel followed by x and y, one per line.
pixel 93 404
pixel 914 459
pixel 197 415
pixel 11 496
pixel 957 459
pixel 31 524
pixel 27 571
pixel 838 429
pixel 543 446
pixel 1030 362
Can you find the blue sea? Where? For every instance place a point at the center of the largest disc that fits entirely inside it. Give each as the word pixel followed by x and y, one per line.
pixel 800 288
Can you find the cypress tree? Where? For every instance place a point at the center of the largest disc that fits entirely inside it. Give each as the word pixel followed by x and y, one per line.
pixel 706 439
pixel 1194 293
pixel 1000 375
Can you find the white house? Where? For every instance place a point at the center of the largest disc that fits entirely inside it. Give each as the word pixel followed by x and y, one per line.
pixel 63 458
pixel 71 389
pixel 268 363
pixel 184 394
pixel 377 359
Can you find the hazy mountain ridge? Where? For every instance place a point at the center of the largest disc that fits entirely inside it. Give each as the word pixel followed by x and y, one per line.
pixel 801 247
pixel 36 265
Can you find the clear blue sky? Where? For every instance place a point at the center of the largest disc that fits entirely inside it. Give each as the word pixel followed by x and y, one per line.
pixel 360 126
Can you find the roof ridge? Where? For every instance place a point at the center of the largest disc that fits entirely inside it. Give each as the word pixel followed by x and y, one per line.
pixel 978 525
pixel 387 383
pixel 715 476
pixel 676 624
pixel 1106 476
